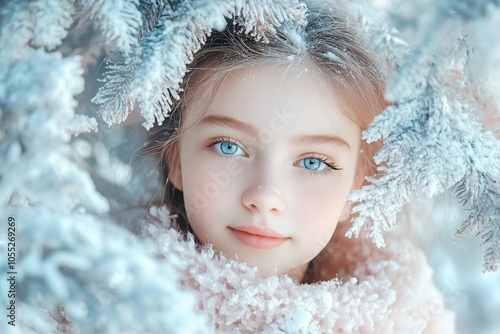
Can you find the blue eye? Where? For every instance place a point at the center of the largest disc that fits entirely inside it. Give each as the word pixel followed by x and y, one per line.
pixel 228 148
pixel 312 164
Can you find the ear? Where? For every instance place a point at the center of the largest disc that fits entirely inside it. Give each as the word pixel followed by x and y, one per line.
pixel 174 167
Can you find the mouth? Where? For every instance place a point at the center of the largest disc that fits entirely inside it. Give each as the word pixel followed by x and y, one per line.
pixel 258 238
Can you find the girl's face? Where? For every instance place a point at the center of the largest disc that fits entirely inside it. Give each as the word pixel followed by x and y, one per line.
pixel 266 172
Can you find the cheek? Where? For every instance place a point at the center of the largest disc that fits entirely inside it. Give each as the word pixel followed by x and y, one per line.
pixel 323 199
pixel 319 210
pixel 208 189
pixel 321 213
pixel 319 216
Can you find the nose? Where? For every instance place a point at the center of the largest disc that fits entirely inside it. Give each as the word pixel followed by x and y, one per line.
pixel 265 199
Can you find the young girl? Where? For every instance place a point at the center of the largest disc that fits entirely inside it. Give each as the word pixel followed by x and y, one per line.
pixel 258 158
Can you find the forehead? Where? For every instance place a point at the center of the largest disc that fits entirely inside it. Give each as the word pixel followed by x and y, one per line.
pixel 259 94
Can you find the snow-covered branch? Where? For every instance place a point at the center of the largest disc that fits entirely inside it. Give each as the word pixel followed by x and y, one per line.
pixel 432 143
pixel 39 23
pixel 151 75
pixel 118 20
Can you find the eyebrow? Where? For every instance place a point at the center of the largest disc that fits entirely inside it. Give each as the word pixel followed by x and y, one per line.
pixel 321 139
pixel 253 131
pixel 231 123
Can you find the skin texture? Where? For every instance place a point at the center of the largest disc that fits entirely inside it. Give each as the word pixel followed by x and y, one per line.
pixel 264 178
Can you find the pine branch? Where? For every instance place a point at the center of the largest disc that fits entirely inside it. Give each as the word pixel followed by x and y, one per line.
pixel 103 277
pixel 100 274
pixel 152 74
pixel 115 103
pixel 441 149
pixel 449 16
pixel 119 21
pixel 151 13
pixel 257 16
pixel 38 23
pixel 38 128
pixel 432 142
pixel 480 192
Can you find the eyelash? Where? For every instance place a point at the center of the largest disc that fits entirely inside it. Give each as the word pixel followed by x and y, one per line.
pixel 330 166
pixel 218 140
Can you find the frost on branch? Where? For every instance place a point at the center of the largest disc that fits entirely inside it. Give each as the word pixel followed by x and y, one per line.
pixel 431 143
pixel 38 23
pixel 104 278
pixel 150 76
pixel 479 191
pixel 38 120
pixel 69 256
pixel 32 24
pixel 449 16
pixel 118 20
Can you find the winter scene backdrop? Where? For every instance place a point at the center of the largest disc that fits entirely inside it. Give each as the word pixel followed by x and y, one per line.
pixel 79 94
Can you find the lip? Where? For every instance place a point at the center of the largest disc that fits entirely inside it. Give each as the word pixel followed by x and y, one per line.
pixel 258 238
